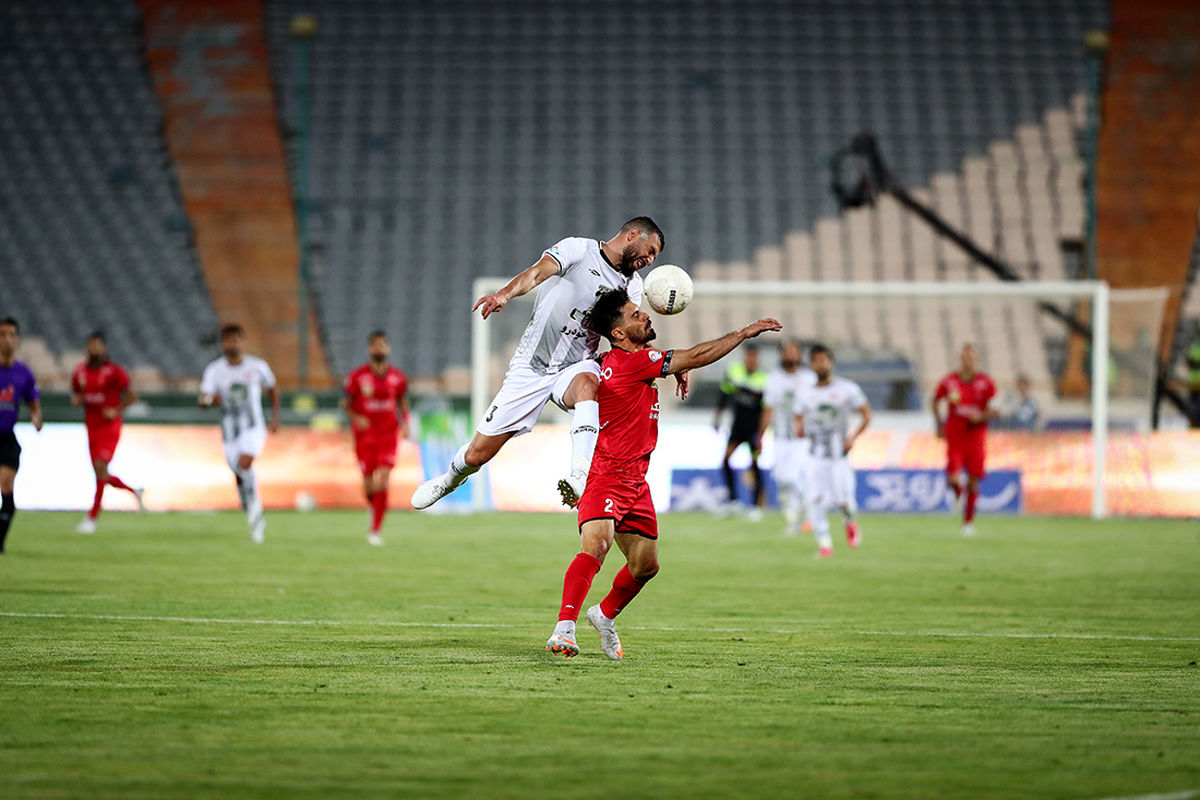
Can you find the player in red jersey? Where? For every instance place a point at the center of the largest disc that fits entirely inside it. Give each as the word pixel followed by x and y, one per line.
pixel 967 395
pixel 102 387
pixel 616 504
pixel 374 392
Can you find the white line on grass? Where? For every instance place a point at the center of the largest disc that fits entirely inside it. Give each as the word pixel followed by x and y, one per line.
pixel 1185 795
pixel 659 628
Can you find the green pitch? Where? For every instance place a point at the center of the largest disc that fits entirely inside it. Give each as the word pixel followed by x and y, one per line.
pixel 167 657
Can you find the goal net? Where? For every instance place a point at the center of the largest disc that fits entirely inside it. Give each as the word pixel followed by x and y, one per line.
pixel 898 340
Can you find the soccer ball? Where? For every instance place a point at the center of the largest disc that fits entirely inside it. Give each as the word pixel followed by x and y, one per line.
pixel 668 289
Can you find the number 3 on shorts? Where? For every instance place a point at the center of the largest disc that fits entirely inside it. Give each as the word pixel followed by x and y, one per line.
pixel 608 509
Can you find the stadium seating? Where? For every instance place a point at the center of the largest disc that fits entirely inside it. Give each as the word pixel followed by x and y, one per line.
pixel 92 232
pixel 455 140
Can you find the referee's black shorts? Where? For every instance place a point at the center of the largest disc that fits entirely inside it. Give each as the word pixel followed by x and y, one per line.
pixel 10 450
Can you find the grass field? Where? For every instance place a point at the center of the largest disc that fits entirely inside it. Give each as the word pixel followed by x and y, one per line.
pixel 168 657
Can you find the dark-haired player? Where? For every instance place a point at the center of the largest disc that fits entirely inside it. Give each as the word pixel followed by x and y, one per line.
pixel 235 382
pixel 553 361
pixel 17 385
pixel 823 418
pixel 616 504
pixel 968 395
pixel 102 387
pixel 374 392
pixel 743 387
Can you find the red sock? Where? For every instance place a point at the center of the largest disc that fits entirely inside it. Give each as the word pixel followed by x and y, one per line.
pixel 969 509
pixel 625 587
pixel 379 504
pixel 576 583
pixel 95 512
pixel 117 483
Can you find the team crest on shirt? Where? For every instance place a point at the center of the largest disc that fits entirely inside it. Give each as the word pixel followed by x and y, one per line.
pixel 655 355
pixel 366 387
pixel 954 396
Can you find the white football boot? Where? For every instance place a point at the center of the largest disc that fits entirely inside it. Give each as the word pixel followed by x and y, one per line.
pixel 610 643
pixel 570 488
pixel 87 525
pixel 433 490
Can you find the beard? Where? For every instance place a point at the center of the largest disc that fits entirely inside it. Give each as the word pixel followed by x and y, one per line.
pixel 628 263
pixel 96 361
pixel 378 358
pixel 644 336
pixel 789 365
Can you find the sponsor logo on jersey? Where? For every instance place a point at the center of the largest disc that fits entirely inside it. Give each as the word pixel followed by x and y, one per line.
pixel 655 355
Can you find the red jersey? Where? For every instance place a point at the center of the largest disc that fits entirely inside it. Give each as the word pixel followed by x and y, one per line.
pixel 101 388
pixel 963 399
pixel 376 397
pixel 628 399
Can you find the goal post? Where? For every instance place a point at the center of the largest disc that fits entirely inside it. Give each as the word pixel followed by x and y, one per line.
pixel 911 320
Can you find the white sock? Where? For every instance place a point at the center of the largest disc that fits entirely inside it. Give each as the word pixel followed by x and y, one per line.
pixel 565 627
pixel 819 517
pixel 460 470
pixel 585 427
pixel 253 505
pixel 791 510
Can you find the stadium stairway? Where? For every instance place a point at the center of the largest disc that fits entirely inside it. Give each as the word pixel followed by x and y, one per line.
pixel 209 63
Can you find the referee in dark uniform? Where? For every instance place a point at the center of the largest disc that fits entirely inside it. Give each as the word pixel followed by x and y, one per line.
pixel 743 388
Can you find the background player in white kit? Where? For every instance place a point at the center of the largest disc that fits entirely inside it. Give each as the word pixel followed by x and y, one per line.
pixel 554 358
pixel 823 418
pixel 784 386
pixel 235 382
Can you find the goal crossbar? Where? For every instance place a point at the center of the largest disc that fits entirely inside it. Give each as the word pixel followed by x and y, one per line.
pixel 1097 292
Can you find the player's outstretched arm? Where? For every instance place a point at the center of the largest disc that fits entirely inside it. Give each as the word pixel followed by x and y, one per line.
pixel 707 352
pixel 525 282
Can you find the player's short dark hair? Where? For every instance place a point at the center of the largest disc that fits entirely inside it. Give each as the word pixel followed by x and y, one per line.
pixel 602 317
pixel 375 334
pixel 16 326
pixel 232 329
pixel 647 226
pixel 97 334
pixel 820 348
pixel 750 347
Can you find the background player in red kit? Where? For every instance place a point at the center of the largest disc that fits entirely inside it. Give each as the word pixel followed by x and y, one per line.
pixel 616 504
pixel 967 394
pixel 102 387
pixel 374 393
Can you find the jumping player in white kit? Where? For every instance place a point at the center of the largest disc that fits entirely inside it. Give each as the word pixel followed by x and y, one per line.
pixel 554 360
pixel 235 382
pixel 823 418
pixel 784 386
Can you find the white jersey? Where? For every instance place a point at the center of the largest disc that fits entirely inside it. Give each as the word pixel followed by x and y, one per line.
pixel 555 336
pixel 783 389
pixel 826 411
pixel 239 387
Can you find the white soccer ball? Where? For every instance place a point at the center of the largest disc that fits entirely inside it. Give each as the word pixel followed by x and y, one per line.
pixel 305 501
pixel 668 289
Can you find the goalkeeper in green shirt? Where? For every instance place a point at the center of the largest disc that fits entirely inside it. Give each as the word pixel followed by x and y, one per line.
pixel 742 388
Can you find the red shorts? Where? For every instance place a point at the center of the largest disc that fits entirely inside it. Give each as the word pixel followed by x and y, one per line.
pixel 626 502
pixel 373 453
pixel 965 453
pixel 102 440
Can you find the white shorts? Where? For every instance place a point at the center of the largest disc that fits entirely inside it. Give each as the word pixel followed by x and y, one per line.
pixel 524 393
pixel 249 442
pixel 830 483
pixel 791 460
